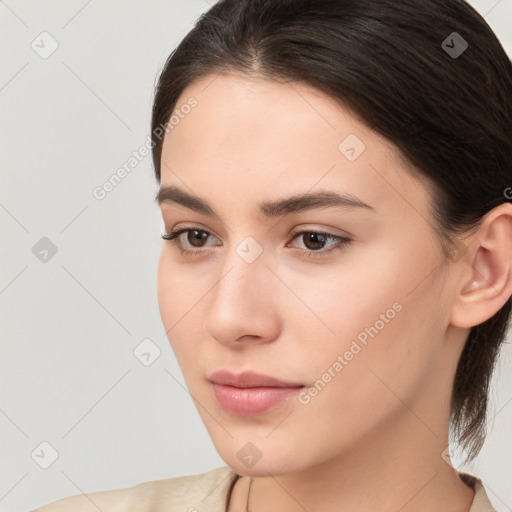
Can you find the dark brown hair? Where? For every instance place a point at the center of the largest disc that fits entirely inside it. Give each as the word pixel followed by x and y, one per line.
pixel 398 66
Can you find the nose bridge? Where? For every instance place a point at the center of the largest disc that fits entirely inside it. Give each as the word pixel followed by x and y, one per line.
pixel 244 271
pixel 241 302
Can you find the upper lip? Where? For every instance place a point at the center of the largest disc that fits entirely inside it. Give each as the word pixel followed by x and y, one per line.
pixel 249 379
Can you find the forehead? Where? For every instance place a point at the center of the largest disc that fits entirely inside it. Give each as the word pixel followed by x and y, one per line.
pixel 258 138
pixel 243 107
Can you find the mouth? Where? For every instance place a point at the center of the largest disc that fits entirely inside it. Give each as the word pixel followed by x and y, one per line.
pixel 249 393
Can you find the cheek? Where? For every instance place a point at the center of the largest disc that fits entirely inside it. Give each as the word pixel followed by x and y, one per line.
pixel 165 290
pixel 180 293
pixel 340 301
pixel 172 296
pixel 177 287
pixel 362 377
pixel 373 315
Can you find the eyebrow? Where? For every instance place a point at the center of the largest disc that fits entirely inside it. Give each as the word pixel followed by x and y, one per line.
pixel 293 204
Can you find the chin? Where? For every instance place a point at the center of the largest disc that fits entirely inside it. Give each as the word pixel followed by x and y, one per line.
pixel 248 460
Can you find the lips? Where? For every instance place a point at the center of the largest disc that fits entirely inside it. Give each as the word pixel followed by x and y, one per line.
pixel 249 379
pixel 249 393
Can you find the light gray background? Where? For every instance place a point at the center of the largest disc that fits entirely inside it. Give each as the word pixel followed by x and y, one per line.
pixel 70 325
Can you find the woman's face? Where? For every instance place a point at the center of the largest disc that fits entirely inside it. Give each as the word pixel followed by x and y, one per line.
pixel 359 321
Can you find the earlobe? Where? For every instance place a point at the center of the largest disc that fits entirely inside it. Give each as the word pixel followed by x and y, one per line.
pixel 489 285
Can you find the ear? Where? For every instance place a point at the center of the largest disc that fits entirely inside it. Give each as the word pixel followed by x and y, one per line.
pixel 486 270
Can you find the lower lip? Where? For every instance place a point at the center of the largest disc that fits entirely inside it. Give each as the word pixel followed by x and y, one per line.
pixel 251 401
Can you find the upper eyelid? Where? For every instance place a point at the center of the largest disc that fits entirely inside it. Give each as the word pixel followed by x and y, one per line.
pixel 327 230
pixel 295 233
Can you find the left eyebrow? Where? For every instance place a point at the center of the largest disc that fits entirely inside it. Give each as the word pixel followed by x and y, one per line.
pixel 293 204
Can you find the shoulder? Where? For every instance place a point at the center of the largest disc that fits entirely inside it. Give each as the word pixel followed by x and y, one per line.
pixel 192 493
pixel 481 502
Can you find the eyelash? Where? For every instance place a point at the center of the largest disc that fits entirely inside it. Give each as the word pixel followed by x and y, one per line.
pixel 173 238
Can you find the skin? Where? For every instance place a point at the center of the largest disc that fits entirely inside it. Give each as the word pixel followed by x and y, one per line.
pixel 381 424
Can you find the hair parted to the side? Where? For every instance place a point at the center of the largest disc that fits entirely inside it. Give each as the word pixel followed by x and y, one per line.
pixel 451 118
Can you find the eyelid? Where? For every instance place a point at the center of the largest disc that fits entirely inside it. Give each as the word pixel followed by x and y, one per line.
pixel 331 231
pixel 175 233
pixel 173 238
pixel 342 241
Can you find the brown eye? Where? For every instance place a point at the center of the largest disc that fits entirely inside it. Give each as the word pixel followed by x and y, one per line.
pixel 314 240
pixel 196 236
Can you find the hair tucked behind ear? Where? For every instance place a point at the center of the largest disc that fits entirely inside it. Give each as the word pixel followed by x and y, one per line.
pixel 450 115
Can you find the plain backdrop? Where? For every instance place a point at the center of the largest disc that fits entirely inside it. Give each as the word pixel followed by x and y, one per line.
pixel 78 274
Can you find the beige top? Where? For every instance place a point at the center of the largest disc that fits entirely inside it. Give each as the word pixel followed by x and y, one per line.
pixel 206 492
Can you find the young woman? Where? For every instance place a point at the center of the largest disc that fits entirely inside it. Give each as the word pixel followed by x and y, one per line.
pixel 336 277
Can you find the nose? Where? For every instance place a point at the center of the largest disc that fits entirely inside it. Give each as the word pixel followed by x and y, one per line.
pixel 243 304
